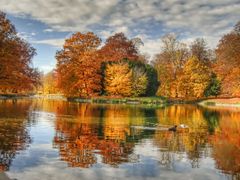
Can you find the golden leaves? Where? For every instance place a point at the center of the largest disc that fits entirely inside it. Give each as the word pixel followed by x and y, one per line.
pixel 118 79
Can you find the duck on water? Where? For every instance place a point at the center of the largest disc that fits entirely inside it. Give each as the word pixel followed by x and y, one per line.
pixel 173 128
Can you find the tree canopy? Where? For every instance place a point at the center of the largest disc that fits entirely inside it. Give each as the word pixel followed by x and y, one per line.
pixel 16 71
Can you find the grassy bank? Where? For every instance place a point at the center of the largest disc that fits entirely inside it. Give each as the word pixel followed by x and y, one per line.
pixel 14 96
pixel 225 102
pixel 137 100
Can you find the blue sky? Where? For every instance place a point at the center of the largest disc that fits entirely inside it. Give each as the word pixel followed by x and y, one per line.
pixel 46 23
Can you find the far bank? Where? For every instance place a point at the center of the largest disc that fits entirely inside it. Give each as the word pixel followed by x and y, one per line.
pixel 159 101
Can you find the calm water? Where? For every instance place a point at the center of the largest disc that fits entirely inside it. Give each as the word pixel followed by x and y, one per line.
pixel 61 140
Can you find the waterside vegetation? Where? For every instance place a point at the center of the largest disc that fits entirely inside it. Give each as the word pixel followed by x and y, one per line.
pixel 116 72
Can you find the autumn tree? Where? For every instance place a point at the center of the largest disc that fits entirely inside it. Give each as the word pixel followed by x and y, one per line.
pixel 169 64
pixel 165 76
pixel 16 71
pixel 227 65
pixel 144 58
pixel 195 79
pixel 139 81
pixel 174 51
pixel 79 67
pixel 118 79
pixel 118 47
pixel 199 49
pixel 50 83
pixel 186 73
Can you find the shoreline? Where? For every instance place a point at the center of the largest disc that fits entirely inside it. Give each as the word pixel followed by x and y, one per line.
pixel 221 102
pixel 157 101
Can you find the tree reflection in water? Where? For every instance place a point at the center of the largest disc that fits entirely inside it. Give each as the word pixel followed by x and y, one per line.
pixel 211 132
pixel 191 141
pixel 90 134
pixel 104 134
pixel 226 143
pixel 14 135
pixel 81 140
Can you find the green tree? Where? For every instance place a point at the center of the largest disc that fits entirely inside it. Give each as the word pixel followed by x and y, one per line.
pixel 153 82
pixel 214 86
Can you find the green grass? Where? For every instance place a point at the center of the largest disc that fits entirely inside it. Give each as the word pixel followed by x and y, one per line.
pixel 210 103
pixel 125 100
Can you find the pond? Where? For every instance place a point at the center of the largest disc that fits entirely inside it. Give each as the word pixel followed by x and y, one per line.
pixel 50 139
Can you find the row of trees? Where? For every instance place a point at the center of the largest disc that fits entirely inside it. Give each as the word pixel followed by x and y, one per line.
pixel 84 68
pixel 185 72
pixel 116 69
pixel 197 71
pixel 16 71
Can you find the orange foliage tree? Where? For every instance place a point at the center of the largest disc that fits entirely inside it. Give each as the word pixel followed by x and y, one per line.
pixel 118 47
pixel 78 66
pixel 228 62
pixel 117 80
pixel 16 72
pixel 185 73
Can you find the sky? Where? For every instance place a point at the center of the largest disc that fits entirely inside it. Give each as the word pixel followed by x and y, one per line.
pixel 46 23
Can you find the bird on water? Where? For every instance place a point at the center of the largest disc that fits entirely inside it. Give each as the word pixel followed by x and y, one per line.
pixel 174 128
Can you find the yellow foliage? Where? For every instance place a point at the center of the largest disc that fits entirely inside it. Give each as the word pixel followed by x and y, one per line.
pixel 118 79
pixel 50 83
pixel 195 79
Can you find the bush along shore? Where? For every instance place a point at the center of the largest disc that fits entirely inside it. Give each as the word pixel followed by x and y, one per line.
pixel 125 100
pixel 152 101
pixel 14 96
pixel 160 101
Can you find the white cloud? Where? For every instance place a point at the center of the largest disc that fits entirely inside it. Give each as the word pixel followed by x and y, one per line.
pixel 210 40
pixel 46 68
pixel 106 33
pixel 62 15
pixel 151 46
pixel 78 15
pixel 199 18
pixel 52 42
pixel 48 30
pixel 26 35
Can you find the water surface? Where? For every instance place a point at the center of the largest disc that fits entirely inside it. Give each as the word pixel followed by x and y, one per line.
pixel 47 139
